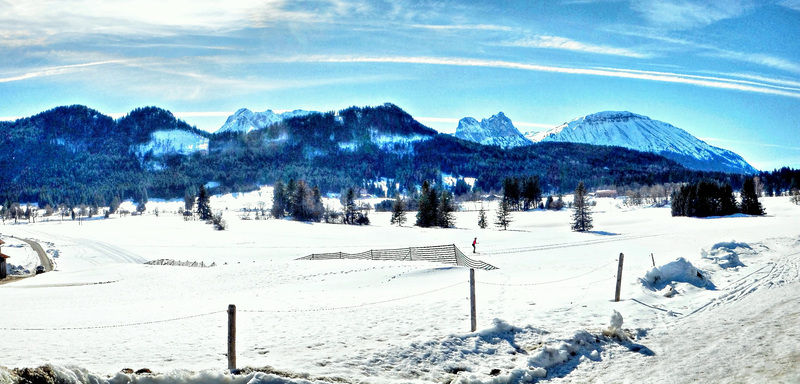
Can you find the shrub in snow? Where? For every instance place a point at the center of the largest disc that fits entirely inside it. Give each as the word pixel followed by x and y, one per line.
pixel 678 271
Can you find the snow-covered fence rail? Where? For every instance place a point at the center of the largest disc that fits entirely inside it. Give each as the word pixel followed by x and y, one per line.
pixel 447 254
pixel 179 263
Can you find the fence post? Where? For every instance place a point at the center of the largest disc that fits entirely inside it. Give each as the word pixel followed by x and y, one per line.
pixel 231 337
pixel 472 310
pixel 619 277
pixel 654 260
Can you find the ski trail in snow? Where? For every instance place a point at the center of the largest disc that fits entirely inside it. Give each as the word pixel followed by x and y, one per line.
pixel 776 273
pixel 536 248
pixel 113 254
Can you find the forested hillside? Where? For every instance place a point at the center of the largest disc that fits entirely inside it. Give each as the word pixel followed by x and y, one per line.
pixel 76 155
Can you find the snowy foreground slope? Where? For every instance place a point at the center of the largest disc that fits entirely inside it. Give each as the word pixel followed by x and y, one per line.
pixel 544 316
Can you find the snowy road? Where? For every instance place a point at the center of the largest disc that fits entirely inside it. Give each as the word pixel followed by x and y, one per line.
pixel 43 258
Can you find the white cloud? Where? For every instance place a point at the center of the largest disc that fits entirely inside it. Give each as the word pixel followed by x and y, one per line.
pixel 58 70
pixel 557 42
pixel 702 81
pixel 760 59
pixel 686 14
pixel 793 4
pixel 461 27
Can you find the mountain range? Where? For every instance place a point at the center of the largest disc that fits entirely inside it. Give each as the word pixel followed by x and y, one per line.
pixel 612 128
pixel 74 154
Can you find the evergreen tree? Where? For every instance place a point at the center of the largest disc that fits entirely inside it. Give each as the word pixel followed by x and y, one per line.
pixel 582 217
pixel 503 214
pixel 318 209
pixel 482 218
pixel 278 209
pixel 203 206
pixel 549 203
pixel 750 204
pixel 299 209
pixel 428 202
pixel 288 192
pixel 348 200
pixel 512 192
pixel 188 201
pixel 115 203
pixel 398 212
pixel 531 192
pixel 444 212
pixel 141 207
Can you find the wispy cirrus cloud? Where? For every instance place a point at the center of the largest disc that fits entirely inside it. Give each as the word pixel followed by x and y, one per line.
pixel 462 27
pixel 57 70
pixel 686 14
pixel 563 43
pixel 667 77
pixel 708 50
pixel 793 4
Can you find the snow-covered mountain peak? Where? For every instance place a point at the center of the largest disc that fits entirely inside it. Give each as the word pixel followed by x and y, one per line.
pixel 245 120
pixel 637 132
pixel 496 130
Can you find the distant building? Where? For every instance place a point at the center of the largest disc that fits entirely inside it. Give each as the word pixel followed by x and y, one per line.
pixel 3 267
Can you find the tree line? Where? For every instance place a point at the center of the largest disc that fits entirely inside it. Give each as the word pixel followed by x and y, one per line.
pixel 712 198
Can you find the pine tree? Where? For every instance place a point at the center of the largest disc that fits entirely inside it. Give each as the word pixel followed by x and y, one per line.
pixel 531 192
pixel 203 207
pixel 115 202
pixel 503 214
pixel 482 218
pixel 398 212
pixel 512 192
pixel 582 218
pixel 444 211
pixel 428 202
pixel 318 209
pixel 750 204
pixel 278 209
pixel 348 200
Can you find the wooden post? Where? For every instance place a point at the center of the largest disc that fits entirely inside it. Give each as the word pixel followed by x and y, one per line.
pixel 653 259
pixel 232 337
pixel 619 277
pixel 472 310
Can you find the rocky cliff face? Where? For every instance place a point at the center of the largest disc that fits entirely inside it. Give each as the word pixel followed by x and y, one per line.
pixel 496 130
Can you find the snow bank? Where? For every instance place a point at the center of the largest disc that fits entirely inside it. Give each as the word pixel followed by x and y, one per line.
pixel 678 271
pixel 726 254
pixel 76 375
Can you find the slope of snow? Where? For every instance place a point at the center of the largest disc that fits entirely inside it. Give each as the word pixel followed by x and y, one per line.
pixel 496 130
pixel 629 130
pixel 245 120
pixel 547 314
pixel 173 141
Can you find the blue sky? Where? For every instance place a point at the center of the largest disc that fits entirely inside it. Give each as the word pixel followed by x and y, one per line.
pixel 727 71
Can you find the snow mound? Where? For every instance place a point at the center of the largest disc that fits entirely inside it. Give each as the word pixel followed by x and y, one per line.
pixel 726 254
pixel 615 327
pixel 678 271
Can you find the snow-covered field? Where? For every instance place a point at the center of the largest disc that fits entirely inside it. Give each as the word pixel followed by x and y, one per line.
pixel 721 306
